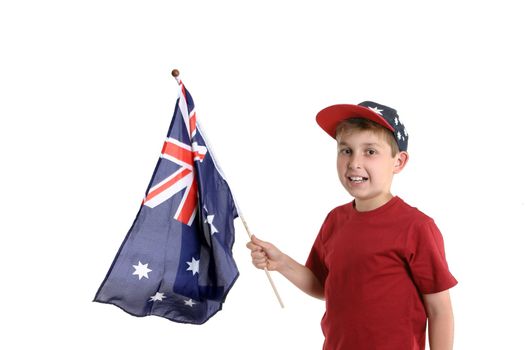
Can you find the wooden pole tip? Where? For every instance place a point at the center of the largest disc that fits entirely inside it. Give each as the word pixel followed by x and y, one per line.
pixel 175 73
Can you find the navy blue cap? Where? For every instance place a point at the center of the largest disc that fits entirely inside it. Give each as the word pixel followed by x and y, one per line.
pixel 331 116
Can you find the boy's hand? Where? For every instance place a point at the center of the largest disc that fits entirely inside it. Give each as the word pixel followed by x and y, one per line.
pixel 265 254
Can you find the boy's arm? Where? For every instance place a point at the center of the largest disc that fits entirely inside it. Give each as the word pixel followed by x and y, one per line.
pixel 265 254
pixel 440 320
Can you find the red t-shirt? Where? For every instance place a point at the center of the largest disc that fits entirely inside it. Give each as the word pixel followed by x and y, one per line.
pixel 374 267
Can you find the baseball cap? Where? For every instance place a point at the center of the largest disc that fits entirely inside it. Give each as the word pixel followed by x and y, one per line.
pixel 331 116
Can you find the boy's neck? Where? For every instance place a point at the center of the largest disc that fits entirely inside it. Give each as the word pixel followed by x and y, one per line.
pixel 372 203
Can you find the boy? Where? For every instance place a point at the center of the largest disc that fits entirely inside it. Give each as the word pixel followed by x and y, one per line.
pixel 378 262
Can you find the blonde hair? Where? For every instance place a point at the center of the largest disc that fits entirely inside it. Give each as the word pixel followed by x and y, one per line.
pixel 362 124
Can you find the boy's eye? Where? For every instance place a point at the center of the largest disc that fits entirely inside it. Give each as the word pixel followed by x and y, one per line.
pixel 345 151
pixel 371 151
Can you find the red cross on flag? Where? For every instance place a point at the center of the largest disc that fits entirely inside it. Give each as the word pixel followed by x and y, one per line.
pixel 184 178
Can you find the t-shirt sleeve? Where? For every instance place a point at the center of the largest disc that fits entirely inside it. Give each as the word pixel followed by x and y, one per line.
pixel 426 259
pixel 315 261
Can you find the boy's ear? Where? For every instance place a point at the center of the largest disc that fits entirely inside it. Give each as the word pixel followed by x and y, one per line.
pixel 401 161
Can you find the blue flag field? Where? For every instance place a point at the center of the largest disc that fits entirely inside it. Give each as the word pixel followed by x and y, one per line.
pixel 176 260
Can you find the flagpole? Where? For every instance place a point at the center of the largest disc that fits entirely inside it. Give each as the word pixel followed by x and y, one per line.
pixel 175 73
pixel 265 269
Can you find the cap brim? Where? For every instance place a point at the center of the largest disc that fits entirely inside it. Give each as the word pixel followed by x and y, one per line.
pixel 330 117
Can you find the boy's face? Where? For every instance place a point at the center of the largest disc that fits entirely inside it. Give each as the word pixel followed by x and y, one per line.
pixel 366 167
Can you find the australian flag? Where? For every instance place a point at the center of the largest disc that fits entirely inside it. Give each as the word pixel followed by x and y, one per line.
pixel 176 260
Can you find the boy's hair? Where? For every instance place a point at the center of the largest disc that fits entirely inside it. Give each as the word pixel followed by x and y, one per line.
pixel 362 124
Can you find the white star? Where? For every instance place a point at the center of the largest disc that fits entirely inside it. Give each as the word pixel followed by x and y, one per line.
pixel 396 120
pixel 376 110
pixel 141 270
pixel 209 220
pixel 189 302
pixel 399 135
pixel 193 266
pixel 157 297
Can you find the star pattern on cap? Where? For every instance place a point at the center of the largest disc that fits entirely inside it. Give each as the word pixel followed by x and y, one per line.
pixel 376 110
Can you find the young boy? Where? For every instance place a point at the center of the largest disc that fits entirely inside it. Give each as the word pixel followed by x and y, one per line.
pixel 378 262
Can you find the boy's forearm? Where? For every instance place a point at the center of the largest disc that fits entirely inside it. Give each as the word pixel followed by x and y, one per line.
pixel 302 277
pixel 441 331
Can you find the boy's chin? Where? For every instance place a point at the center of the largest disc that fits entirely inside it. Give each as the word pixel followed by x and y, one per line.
pixel 357 193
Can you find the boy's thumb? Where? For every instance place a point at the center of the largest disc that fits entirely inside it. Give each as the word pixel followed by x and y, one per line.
pixel 259 242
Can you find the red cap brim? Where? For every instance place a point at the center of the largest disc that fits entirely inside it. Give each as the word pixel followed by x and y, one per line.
pixel 330 117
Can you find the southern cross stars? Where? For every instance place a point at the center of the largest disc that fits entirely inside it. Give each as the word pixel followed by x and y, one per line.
pixel 141 270
pixel 193 266
pixel 160 296
pixel 189 302
pixel 157 297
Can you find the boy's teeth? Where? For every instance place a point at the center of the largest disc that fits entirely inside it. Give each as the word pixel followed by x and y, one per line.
pixel 358 178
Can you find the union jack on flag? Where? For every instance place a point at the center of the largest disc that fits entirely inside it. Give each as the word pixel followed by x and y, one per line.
pixel 176 260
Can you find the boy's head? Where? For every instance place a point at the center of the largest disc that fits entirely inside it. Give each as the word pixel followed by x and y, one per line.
pixel 371 144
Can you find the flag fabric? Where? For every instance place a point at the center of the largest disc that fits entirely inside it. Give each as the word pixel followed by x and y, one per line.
pixel 176 260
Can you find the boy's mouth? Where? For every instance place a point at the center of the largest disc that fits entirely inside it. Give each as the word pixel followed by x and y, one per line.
pixel 357 179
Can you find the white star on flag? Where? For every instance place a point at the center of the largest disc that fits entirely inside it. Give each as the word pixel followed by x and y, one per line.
pixel 376 110
pixel 141 270
pixel 209 220
pixel 193 266
pixel 396 120
pixel 157 297
pixel 189 302
pixel 399 135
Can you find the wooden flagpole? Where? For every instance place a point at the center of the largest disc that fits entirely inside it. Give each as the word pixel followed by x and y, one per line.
pixel 265 269
pixel 175 73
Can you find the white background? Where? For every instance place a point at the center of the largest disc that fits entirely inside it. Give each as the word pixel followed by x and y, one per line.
pixel 86 98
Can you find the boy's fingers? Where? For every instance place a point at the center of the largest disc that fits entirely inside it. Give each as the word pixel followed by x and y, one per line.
pixel 263 244
pixel 252 245
pixel 260 265
pixel 258 254
pixel 256 244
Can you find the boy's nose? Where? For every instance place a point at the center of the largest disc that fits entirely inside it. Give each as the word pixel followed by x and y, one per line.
pixel 354 163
